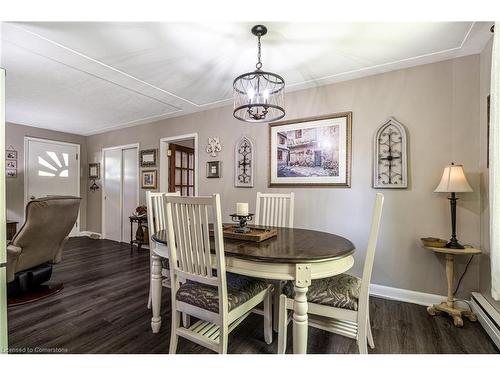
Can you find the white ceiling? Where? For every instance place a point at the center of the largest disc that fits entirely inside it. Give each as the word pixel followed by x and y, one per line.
pixel 87 78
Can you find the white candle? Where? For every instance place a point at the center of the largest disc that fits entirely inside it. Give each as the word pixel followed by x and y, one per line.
pixel 242 209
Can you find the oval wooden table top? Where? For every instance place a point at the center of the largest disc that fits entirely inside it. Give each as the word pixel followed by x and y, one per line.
pixel 291 245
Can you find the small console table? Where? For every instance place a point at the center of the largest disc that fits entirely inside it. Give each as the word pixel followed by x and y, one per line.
pixel 449 306
pixel 141 234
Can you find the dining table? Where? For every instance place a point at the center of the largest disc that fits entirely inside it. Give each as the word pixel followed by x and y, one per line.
pixel 294 254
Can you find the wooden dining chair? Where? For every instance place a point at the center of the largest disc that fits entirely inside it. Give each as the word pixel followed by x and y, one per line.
pixel 338 304
pixel 274 210
pixel 220 301
pixel 156 221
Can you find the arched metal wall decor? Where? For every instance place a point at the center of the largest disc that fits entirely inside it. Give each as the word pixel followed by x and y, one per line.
pixel 243 163
pixel 390 161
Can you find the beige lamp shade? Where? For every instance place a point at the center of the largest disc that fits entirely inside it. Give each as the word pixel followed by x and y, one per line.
pixel 453 180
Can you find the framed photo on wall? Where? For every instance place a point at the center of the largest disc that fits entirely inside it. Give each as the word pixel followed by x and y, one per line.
pixel 11 155
pixel 313 151
pixel 213 169
pixel 148 180
pixel 148 158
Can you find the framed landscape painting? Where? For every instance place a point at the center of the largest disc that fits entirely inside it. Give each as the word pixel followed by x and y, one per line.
pixel 314 151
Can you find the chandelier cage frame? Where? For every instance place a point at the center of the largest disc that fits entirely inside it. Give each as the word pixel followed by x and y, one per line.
pixel 259 96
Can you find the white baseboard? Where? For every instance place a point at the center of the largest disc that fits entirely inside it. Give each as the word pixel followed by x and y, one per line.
pixel 488 316
pixel 90 234
pixel 405 295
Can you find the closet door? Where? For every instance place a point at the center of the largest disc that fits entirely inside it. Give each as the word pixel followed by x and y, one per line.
pixel 112 228
pixel 130 189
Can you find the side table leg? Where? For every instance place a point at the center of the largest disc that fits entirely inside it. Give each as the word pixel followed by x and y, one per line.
pixel 131 236
pixel 449 278
pixel 139 236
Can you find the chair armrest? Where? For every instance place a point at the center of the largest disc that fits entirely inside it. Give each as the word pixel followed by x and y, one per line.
pixel 13 253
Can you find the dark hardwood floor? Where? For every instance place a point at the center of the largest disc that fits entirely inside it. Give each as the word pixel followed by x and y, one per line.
pixel 102 309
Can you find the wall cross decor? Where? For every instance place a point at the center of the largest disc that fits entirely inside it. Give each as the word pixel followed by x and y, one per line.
pixel 390 162
pixel 214 146
pixel 243 163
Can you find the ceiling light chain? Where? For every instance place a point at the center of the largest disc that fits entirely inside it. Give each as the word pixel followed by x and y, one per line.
pixel 259 63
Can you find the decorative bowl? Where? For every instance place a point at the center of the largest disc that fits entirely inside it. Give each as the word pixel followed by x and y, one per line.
pixel 433 242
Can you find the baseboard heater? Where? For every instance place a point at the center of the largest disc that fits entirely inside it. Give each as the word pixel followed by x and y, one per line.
pixel 488 316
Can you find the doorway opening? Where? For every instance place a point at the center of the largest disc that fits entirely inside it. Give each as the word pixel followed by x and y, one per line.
pixel 179 164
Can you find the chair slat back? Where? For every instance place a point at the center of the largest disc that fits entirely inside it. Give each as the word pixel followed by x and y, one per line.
pixel 275 210
pixel 157 219
pixel 370 252
pixel 188 220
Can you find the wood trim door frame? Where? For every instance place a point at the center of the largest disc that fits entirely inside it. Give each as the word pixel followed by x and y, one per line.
pixel 103 176
pixel 164 169
pixel 27 139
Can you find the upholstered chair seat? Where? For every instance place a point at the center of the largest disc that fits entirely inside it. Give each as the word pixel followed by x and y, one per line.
pixel 340 291
pixel 240 289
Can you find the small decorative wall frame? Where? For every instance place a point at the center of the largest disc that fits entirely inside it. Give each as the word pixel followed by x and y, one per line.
pixel 148 158
pixel 94 171
pixel 214 146
pixel 10 162
pixel 213 169
pixel 94 174
pixel 243 163
pixel 10 154
pixel 390 162
pixel 148 180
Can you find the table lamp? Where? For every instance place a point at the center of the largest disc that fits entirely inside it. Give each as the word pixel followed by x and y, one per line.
pixel 453 181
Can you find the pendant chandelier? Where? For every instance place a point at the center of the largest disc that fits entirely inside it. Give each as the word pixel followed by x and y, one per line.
pixel 259 96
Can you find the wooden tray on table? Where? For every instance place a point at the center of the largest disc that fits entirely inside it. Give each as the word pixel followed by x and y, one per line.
pixel 255 234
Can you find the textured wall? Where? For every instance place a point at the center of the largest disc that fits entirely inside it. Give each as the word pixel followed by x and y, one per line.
pixel 14 135
pixel 438 103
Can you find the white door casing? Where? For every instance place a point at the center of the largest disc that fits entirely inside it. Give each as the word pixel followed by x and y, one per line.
pixel 164 173
pixel 51 168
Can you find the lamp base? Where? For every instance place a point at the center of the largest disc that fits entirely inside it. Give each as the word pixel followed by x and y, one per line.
pixel 454 244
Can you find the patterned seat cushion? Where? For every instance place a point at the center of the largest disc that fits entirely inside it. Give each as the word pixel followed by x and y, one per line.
pixel 240 289
pixel 340 291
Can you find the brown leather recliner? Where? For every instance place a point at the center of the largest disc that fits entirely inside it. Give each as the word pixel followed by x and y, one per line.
pixel 40 241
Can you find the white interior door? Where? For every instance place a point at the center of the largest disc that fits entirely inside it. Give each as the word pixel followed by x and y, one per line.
pixel 120 191
pixel 112 228
pixel 130 189
pixel 52 168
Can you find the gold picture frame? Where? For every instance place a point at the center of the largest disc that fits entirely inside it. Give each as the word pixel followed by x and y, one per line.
pixel 149 179
pixel 148 158
pixel 311 152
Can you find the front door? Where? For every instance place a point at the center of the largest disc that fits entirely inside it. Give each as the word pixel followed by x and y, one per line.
pixel 181 170
pixel 53 168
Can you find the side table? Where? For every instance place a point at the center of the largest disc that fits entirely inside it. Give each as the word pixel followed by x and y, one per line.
pixel 449 306
pixel 141 235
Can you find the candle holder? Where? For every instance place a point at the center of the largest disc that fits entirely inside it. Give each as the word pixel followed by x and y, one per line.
pixel 242 222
